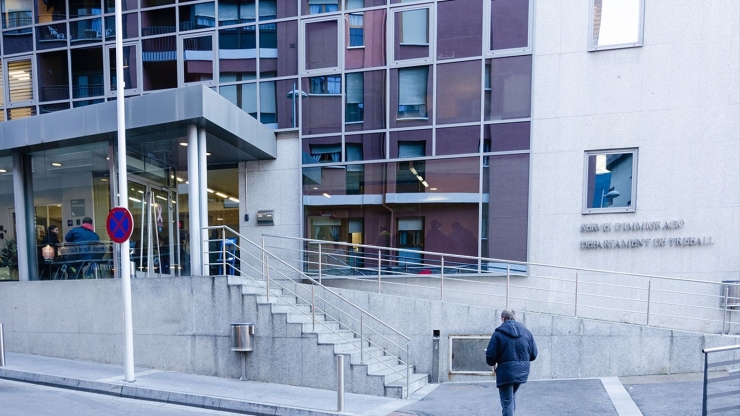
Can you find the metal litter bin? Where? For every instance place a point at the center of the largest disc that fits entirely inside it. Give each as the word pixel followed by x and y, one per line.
pixel 242 337
pixel 732 289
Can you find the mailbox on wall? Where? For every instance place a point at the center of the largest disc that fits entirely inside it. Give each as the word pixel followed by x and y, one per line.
pixel 266 217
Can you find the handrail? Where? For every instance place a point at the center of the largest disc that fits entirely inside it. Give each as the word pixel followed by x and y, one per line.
pixel 266 255
pixel 460 256
pixel 644 299
pixel 732 377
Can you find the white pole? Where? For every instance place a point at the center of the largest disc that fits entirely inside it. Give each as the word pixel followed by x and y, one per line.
pixel 128 326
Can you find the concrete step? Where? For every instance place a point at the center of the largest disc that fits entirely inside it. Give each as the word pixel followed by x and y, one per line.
pixel 416 381
pixel 285 306
pixel 367 352
pixel 324 326
pixel 298 318
pixel 379 363
pixel 339 337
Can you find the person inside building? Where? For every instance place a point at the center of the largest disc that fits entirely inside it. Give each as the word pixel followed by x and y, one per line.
pixel 81 236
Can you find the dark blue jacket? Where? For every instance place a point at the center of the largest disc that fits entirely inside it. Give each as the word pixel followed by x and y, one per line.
pixel 82 237
pixel 512 347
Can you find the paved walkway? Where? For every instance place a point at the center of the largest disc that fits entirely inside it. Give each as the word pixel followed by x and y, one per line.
pixel 676 395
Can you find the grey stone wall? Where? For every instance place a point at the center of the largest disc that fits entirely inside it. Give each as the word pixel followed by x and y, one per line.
pixel 182 324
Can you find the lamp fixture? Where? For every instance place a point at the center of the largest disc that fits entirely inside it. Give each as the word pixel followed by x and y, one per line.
pixel 3 170
pixel 326 195
pixel 210 191
pixel 222 195
pixel 184 144
pixel 233 200
pixel 57 164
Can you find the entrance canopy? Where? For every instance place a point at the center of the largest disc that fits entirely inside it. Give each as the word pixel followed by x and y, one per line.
pixel 155 125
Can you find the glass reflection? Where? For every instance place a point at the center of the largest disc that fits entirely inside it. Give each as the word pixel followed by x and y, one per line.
pixel 321 45
pixel 509 24
pixel 508 88
pixel 459 29
pixel 610 177
pixel 461 101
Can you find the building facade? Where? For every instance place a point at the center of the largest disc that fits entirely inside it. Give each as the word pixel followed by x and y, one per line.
pixel 502 129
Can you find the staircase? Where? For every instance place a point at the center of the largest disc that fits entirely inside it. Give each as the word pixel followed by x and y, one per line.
pixel 372 369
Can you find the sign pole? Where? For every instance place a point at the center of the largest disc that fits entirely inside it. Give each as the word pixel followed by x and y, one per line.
pixel 125 269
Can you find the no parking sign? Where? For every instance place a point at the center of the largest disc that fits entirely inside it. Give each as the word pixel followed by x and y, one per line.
pixel 120 224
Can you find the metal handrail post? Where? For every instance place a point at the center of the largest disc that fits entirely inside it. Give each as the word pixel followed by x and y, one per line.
pixel 508 283
pixel 2 347
pixel 313 309
pixel 263 257
pixel 340 383
pixel 267 277
pixel 704 393
pixel 223 251
pixel 362 342
pixel 650 294
pixel 380 262
pixel 442 280
pixel 724 315
pixel 320 264
pixel 575 313
pixel 408 369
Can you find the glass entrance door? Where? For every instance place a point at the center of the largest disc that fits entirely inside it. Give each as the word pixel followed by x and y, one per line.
pixel 154 251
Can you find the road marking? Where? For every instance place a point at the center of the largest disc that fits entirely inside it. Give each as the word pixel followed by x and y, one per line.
pixel 120 378
pixel 621 400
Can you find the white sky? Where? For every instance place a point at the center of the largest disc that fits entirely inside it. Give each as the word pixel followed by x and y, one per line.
pixel 620 22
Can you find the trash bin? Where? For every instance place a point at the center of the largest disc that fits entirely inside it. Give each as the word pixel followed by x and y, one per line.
pixel 732 289
pixel 242 337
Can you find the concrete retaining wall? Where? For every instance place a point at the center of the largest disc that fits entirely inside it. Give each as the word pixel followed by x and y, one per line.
pixel 182 324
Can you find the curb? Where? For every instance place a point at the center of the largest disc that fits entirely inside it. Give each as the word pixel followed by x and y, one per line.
pixel 140 393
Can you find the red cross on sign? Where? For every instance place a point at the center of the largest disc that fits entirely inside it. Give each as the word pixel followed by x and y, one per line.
pixel 120 224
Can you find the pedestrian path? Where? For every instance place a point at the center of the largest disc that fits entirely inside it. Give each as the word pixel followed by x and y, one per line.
pixel 631 396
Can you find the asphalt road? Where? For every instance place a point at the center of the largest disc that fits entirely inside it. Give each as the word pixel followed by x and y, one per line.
pixel 23 399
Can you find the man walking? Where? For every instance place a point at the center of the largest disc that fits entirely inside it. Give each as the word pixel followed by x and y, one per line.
pixel 510 350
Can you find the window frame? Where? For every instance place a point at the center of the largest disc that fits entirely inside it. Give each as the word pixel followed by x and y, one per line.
pixel 610 210
pixel 488 53
pixel 302 45
pixel 181 38
pixel 111 90
pixel 6 82
pixel 640 27
pixel 431 36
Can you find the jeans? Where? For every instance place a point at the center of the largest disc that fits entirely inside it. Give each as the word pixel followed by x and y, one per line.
pixel 507 394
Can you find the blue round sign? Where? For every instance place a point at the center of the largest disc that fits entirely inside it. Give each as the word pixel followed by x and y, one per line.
pixel 120 224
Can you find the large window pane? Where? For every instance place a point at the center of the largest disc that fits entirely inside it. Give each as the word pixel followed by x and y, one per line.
pixel 87 72
pixel 50 10
pixel 371 147
pixel 86 31
pixel 53 76
pixel 51 36
pixel 234 12
pixel 616 23
pixel 411 32
pixel 197 16
pixel 20 81
pixel 610 181
pixel 243 96
pixel 268 104
pixel 16 13
pixel 457 140
pixel 508 88
pixel 158 22
pixel 502 137
pixel 198 59
pixel 411 96
pixel 321 45
pixel 129 22
pixel 159 60
pixel 410 144
pixel 509 24
pixel 355 98
pixel 459 29
pixel 365 102
pixel 365 44
pixel 79 8
pixel 322 107
pixel 320 6
pixel 459 84
pixel 237 54
pixel 278 52
pixel 130 68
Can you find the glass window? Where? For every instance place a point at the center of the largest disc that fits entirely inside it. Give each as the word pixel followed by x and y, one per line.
pixel 158 22
pixel 155 3
pixel 87 72
pixel 237 54
pixel 17 41
pixel 130 23
pixel 355 99
pixel 412 92
pixel 610 181
pixel 234 12
pixel 86 31
pixel 323 150
pixel 198 59
pixel 503 137
pixel 50 10
pixel 273 9
pixel 320 6
pixel 322 106
pixel 197 16
pixel 17 13
pixel 505 208
pixel 331 84
pixel 18 113
pixel 459 84
pixel 53 76
pixel 321 45
pixel 509 24
pixel 278 52
pixel 2 85
pixel 508 88
pixel 616 23
pixel 20 81
pixel 126 5
pixel 268 106
pixel 457 140
pixel 356 29
pixel 411 34
pixel 130 68
pixel 159 63
pixel 359 4
pixel 79 8
pixel 459 29
pixel 410 143
pixel 286 103
pixel 243 96
pixel 371 146
pixel 51 36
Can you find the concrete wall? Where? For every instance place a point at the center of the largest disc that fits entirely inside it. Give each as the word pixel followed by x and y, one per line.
pixel 676 99
pixel 182 324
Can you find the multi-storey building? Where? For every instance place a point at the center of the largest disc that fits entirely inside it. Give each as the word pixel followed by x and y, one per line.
pixel 506 129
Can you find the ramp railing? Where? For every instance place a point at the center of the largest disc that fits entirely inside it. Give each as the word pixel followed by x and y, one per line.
pixel 725 385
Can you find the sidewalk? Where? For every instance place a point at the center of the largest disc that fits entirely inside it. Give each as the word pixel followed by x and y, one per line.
pixel 628 396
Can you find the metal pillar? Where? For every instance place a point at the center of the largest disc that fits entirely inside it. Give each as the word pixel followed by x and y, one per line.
pixel 196 233
pixel 24 217
pixel 203 182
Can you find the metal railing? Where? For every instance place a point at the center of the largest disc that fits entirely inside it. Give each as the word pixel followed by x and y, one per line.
pixel 230 253
pixel 733 378
pixel 650 300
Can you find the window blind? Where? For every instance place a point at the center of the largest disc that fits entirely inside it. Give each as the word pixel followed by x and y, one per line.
pixel 412 86
pixel 410 224
pixel 414 27
pixel 321 45
pixel 267 97
pixel 411 149
pixel 20 81
pixel 355 88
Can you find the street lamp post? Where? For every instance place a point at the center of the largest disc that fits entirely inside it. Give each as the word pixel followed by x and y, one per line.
pixel 608 195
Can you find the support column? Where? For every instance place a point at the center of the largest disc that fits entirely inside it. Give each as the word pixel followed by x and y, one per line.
pixel 196 234
pixel 25 227
pixel 202 178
